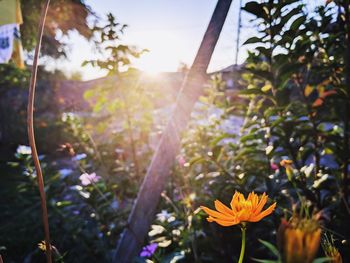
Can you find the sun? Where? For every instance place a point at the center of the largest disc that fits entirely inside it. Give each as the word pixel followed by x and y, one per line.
pixel 164 54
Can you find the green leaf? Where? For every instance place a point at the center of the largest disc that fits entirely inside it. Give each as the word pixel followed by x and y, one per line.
pixel 278 121
pixel 89 94
pixel 248 137
pixel 266 87
pixel 253 91
pixel 297 23
pixel 217 152
pixel 63 203
pixel 256 9
pixel 263 74
pixel 280 6
pixel 270 246
pixel 252 40
pixel 321 260
pixel 264 51
pixel 288 16
pixel 196 160
pixel 218 139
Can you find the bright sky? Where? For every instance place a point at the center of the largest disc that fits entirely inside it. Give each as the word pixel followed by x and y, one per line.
pixel 171 30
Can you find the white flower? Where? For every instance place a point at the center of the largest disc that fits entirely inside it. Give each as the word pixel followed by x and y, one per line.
pixel 87 179
pixel 318 182
pixel 163 216
pixel 308 169
pixel 84 194
pixel 268 149
pixel 156 229
pixel 24 150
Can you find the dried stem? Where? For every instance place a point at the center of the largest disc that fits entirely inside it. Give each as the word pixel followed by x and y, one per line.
pixel 31 137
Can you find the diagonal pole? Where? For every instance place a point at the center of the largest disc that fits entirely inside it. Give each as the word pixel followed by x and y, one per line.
pixel 31 137
pixel 144 208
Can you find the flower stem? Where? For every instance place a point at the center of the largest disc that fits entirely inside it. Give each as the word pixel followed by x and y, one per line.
pixel 241 256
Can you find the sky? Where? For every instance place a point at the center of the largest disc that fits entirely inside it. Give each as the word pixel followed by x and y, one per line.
pixel 170 29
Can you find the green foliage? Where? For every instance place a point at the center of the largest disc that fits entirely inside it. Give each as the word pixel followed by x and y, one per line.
pixel 13 77
pixel 116 56
pixel 63 16
pixel 84 215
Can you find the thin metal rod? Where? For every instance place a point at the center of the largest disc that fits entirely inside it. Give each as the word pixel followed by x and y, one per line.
pixel 31 136
pixel 239 25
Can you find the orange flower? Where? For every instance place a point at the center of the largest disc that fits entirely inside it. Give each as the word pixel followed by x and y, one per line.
pixel 242 210
pixel 286 162
pixel 299 240
pixel 289 168
pixel 323 95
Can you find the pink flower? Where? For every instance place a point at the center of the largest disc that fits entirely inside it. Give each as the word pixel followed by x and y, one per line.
pixel 87 179
pixel 181 160
pixel 274 166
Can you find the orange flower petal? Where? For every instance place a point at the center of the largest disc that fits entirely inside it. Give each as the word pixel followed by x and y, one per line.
pixel 244 215
pixel 234 201
pixel 318 102
pixel 223 208
pixel 216 214
pixel 261 204
pixel 223 222
pixel 264 213
pixel 255 201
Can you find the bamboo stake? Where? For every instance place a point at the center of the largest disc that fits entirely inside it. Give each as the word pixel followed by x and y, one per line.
pixel 143 211
pixel 31 136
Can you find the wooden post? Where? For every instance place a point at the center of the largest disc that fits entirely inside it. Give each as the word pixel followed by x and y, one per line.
pixel 144 208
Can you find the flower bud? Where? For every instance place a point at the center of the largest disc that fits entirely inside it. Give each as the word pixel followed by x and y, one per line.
pixel 299 239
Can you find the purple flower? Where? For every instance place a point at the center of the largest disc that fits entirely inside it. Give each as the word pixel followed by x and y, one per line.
pixel 149 250
pixel 87 179
pixel 79 157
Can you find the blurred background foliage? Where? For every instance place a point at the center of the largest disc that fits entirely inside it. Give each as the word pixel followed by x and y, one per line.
pixel 63 16
pixel 293 105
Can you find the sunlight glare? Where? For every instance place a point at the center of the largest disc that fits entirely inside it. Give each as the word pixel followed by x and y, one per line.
pixel 165 53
